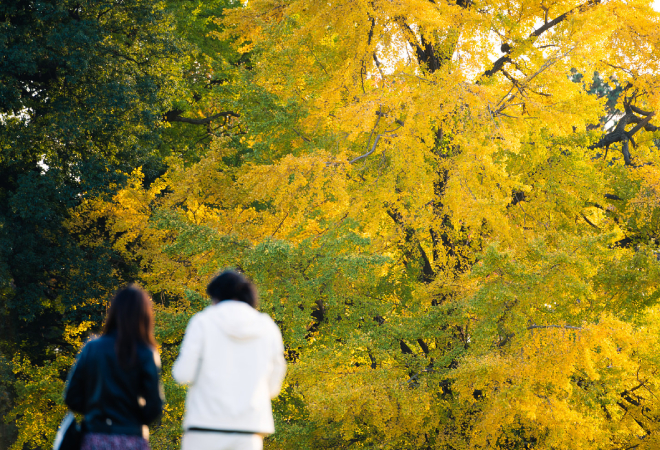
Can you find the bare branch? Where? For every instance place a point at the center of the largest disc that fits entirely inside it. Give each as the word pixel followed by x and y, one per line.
pixel 641 124
pixel 382 74
pixel 317 60
pixel 522 85
pixel 302 136
pixel 539 31
pixel 641 112
pixel 590 222
pixel 566 327
pixel 647 126
pixel 379 114
pixel 626 152
pixel 498 65
pixel 373 148
pixel 175 116
pixel 619 134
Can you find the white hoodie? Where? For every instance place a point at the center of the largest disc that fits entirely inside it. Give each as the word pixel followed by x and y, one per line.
pixel 232 358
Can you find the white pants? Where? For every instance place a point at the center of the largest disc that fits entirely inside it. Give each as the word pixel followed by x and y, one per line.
pixel 208 440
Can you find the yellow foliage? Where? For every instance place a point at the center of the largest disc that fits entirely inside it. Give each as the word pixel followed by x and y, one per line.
pixel 517 255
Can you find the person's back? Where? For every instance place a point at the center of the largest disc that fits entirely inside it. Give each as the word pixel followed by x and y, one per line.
pixel 115 383
pixel 232 358
pixel 106 392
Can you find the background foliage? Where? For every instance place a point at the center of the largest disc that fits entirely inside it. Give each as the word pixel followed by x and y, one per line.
pixel 451 209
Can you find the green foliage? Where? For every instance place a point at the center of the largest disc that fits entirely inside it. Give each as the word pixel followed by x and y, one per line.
pixel 83 86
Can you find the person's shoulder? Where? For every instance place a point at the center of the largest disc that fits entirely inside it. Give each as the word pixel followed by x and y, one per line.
pixel 266 317
pixel 205 314
pixel 96 342
pixel 95 347
pixel 147 354
pixel 269 323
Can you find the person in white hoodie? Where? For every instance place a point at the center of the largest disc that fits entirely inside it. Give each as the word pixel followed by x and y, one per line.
pixel 232 359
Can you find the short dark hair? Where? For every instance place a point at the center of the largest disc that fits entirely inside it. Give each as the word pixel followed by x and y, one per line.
pixel 131 317
pixel 231 285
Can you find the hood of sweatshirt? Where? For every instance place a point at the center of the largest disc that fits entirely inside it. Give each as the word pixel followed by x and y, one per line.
pixel 238 320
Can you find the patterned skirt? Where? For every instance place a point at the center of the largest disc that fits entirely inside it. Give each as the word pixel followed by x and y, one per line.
pixel 97 441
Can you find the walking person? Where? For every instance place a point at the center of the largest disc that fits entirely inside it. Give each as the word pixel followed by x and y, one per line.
pixel 232 358
pixel 115 382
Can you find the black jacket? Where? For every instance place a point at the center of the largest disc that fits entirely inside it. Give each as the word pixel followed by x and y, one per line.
pixel 109 396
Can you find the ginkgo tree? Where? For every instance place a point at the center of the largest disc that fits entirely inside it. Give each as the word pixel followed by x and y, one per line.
pixel 450 208
pixel 512 303
pixel 517 222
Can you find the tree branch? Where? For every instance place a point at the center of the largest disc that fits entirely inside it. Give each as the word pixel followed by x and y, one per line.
pixel 590 222
pixel 566 327
pixel 175 116
pixel 522 85
pixel 647 126
pixel 641 112
pixel 428 274
pixel 619 134
pixel 424 51
pixel 642 124
pixel 380 114
pixel 499 63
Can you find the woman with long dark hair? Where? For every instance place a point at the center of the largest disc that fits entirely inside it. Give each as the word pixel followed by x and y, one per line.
pixel 232 358
pixel 116 380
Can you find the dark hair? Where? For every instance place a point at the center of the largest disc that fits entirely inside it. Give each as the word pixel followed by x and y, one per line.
pixel 131 317
pixel 231 285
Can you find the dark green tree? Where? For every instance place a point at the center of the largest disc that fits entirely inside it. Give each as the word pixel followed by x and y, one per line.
pixel 89 91
pixel 83 86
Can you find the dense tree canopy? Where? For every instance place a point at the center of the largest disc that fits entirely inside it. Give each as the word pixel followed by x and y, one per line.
pixel 452 209
pixel 82 87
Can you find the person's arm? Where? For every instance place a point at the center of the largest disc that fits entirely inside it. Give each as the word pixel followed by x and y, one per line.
pixel 152 390
pixel 279 364
pixel 186 365
pixel 74 394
